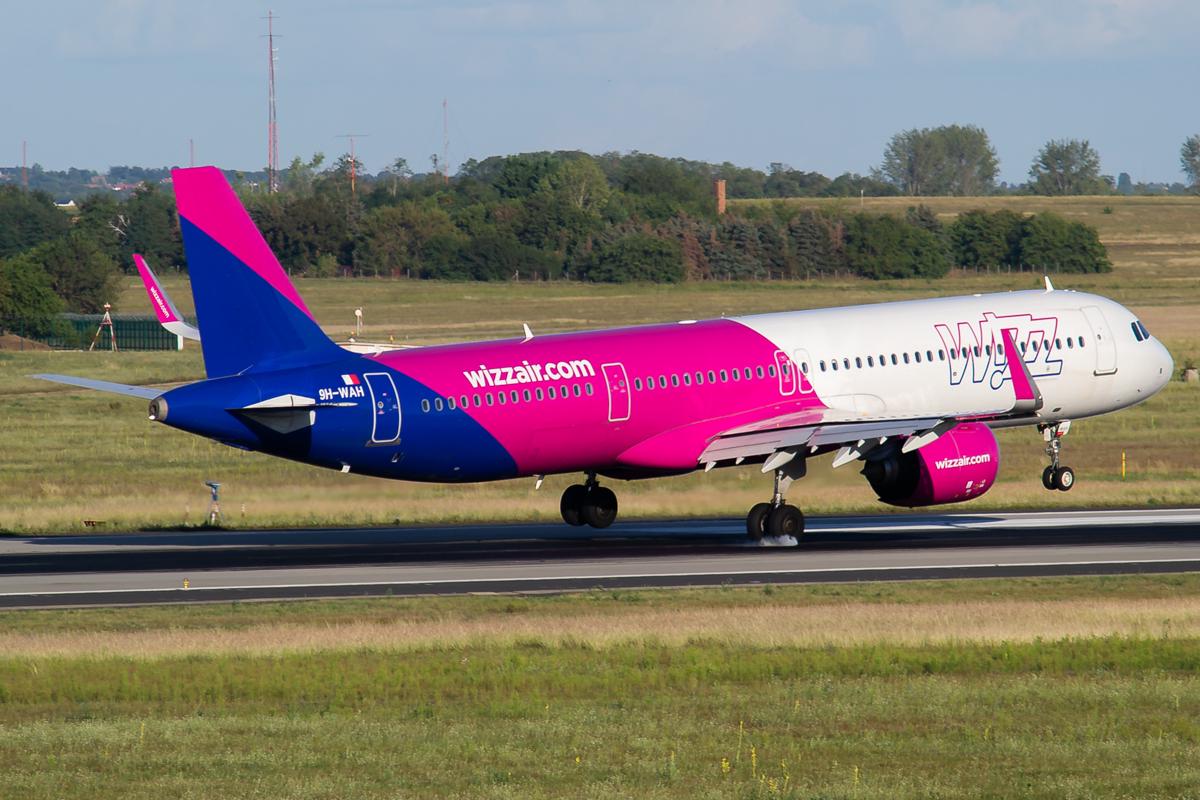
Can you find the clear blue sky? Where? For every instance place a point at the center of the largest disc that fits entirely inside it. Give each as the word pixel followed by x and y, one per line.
pixel 819 85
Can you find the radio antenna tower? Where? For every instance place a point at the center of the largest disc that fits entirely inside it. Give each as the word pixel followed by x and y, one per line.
pixel 445 141
pixel 24 166
pixel 353 158
pixel 272 126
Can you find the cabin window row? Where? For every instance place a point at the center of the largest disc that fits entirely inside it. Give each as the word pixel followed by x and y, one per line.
pixel 700 377
pixel 511 397
pixel 918 356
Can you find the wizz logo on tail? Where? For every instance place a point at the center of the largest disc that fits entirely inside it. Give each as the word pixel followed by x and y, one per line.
pixel 976 348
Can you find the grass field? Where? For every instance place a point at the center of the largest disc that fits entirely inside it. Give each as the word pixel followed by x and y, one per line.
pixel 1055 688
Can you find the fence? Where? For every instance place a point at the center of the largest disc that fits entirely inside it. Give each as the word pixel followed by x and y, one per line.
pixel 133 332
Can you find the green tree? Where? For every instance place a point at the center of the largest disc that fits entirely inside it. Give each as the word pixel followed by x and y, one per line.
pixel 886 247
pixel 28 304
pixel 28 219
pixel 784 181
pixel 79 272
pixel 100 220
pixel 1067 166
pixel 979 239
pixel 951 159
pixel 636 257
pixel 150 226
pixel 812 237
pixel 1189 159
pixel 1050 243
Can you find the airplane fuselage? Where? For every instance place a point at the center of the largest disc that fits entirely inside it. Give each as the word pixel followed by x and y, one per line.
pixel 645 401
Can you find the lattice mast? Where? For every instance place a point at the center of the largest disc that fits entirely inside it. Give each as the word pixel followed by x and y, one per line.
pixel 272 123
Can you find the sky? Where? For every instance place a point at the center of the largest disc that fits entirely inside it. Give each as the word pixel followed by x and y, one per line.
pixel 817 85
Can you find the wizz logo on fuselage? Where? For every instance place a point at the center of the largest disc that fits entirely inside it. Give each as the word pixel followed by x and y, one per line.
pixel 978 347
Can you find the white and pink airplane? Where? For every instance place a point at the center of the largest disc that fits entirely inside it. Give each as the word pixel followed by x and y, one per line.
pixel 910 390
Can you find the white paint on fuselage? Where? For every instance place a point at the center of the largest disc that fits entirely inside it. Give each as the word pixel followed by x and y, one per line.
pixel 1066 376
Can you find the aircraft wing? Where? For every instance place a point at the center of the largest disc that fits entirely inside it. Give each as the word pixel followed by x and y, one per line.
pixel 168 315
pixel 144 392
pixel 782 438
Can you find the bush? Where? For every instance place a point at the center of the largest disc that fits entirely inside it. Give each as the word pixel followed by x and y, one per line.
pixel 1052 244
pixel 886 247
pixel 635 257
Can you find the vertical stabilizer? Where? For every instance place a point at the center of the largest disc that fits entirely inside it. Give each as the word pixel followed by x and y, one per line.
pixel 251 314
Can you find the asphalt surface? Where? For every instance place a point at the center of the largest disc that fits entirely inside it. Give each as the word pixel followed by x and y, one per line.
pixel 259 565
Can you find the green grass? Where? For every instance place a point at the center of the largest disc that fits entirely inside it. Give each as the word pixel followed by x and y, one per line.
pixel 1098 717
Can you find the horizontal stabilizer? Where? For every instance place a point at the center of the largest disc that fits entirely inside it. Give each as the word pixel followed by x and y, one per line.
pixel 144 392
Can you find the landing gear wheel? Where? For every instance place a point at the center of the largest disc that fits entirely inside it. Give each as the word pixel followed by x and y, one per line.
pixel 599 507
pixel 785 520
pixel 756 521
pixel 1064 479
pixel 571 505
pixel 1048 478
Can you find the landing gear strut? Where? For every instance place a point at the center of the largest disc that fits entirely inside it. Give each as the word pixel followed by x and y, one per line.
pixel 589 504
pixel 776 518
pixel 1056 476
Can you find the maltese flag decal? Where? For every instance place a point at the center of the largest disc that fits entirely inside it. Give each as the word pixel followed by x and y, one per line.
pixel 350 380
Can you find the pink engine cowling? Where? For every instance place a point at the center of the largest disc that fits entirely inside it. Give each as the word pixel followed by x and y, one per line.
pixel 960 465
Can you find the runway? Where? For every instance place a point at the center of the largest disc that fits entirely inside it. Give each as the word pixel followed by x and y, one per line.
pixel 145 568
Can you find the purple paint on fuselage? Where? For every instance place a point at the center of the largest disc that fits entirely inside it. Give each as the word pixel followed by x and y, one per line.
pixel 566 434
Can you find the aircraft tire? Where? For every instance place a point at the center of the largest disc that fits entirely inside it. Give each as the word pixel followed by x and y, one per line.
pixel 785 520
pixel 600 507
pixel 571 505
pixel 1048 478
pixel 1064 479
pixel 756 521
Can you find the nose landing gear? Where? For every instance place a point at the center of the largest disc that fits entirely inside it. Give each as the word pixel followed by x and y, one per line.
pixel 777 518
pixel 589 504
pixel 1056 476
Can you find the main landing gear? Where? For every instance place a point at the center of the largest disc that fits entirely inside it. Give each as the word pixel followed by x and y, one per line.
pixel 776 518
pixel 589 504
pixel 1056 476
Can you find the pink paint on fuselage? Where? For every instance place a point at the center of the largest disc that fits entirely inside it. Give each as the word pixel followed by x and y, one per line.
pixel 206 200
pixel 667 427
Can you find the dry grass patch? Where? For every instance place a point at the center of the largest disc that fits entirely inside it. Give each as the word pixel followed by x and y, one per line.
pixel 840 624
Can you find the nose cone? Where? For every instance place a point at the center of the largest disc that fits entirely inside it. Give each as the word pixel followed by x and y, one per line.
pixel 1164 364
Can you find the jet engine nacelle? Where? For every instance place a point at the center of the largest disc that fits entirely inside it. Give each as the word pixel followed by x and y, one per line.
pixel 960 465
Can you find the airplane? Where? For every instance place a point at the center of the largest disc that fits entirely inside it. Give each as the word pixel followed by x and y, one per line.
pixel 912 391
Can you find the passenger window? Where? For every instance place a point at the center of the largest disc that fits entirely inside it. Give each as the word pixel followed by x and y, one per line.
pixel 917 356
pixel 724 376
pixel 1035 345
pixel 662 381
pixel 1021 346
pixel 858 361
pixel 438 405
pixel 687 379
pixel 674 380
pixel 870 361
pixel 894 361
pixel 1070 343
pixel 588 388
pixel 525 395
pixel 906 358
pixel 637 384
pixel 822 366
pixel 771 370
pixel 575 390
pixel 737 374
pixel 976 349
pixel 747 373
pixel 712 376
pixel 699 378
pixel 502 397
pixel 650 383
pixel 834 365
pixel 758 371
pixel 987 348
pixel 846 363
pixel 804 367
pixel 489 399
pixel 941 355
pixel 515 397
pixel 479 400
pixel 1058 344
pixel 450 402
pixel 1081 341
pixel 538 394
pixel 425 406
pixel 463 402
pixel 929 355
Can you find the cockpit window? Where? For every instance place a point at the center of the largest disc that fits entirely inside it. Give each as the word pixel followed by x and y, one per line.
pixel 1145 332
pixel 1137 332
